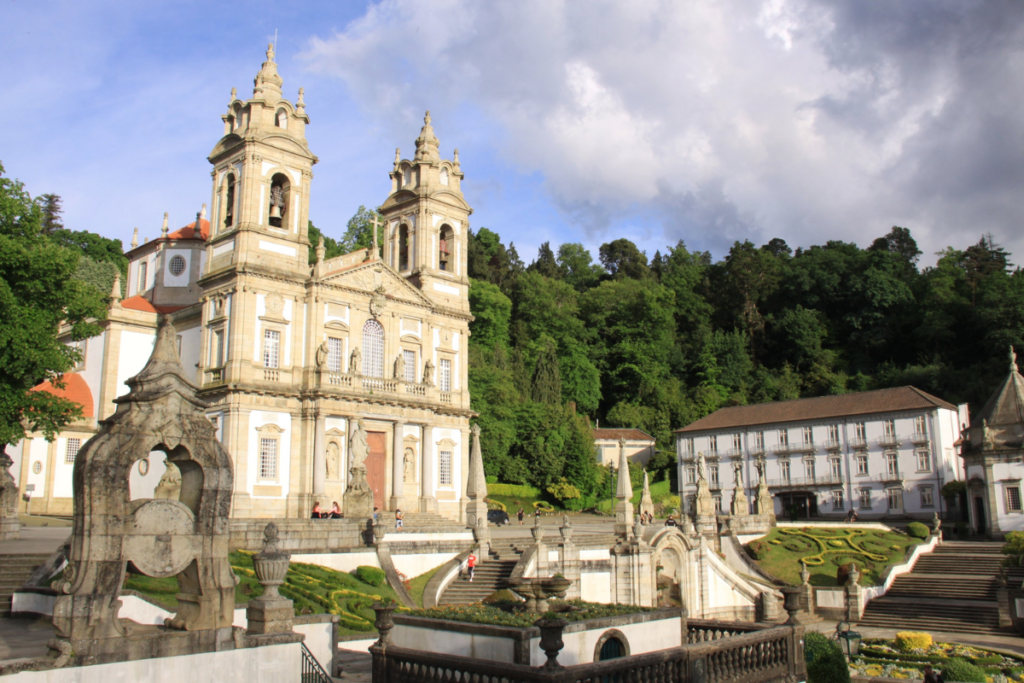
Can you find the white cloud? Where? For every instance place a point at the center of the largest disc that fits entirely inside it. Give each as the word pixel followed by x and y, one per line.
pixel 802 119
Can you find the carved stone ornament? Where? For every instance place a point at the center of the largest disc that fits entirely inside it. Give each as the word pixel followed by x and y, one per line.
pixel 378 301
pixel 275 306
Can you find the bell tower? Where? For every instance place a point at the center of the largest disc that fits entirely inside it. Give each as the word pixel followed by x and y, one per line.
pixel 261 178
pixel 426 222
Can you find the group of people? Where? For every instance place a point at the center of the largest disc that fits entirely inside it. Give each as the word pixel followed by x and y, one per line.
pixel 520 515
pixel 646 518
pixel 319 513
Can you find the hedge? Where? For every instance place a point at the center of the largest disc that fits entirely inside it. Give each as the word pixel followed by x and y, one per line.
pixel 959 670
pixel 826 662
pixel 918 530
pixel 513 490
pixel 371 575
pixel 908 641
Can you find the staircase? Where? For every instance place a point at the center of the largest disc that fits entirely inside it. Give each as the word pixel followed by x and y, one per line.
pixel 14 571
pixel 951 589
pixel 420 522
pixel 489 576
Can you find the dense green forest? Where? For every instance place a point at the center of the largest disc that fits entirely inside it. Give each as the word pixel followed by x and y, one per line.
pixel 657 343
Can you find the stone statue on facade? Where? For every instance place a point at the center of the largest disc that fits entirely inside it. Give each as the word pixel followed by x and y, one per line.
pixel 409 465
pixel 740 504
pixel 169 486
pixel 358 496
pixel 702 469
pixel 360 449
pixel 704 504
pixel 428 373
pixel 400 367
pixel 10 527
pixel 333 460
pixel 737 472
pixel 321 355
pixel 356 363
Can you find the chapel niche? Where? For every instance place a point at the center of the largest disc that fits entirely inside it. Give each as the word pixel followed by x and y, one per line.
pixel 278 207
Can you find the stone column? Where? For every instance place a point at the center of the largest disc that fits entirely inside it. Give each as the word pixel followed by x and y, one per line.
pixel 427 501
pixel 570 556
pixel 623 495
pixel 854 597
pixel 397 466
pixel 319 456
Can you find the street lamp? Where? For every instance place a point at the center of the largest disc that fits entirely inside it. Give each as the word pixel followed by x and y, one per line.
pixel 849 641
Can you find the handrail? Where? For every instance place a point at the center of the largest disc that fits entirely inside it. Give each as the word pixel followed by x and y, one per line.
pixel 312 672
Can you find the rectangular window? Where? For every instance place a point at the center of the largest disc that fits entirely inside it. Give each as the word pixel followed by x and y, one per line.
pixel 712 444
pixel 737 441
pixel 862 463
pixel 837 499
pixel 718 504
pixel 143 277
pixel 919 425
pixel 409 357
pixel 865 499
pixel 691 504
pixel 889 428
pixel 691 475
pixel 688 446
pixel 445 376
pixel 335 354
pixel 808 436
pixel 895 498
pixel 860 432
pixel 71 450
pixel 217 349
pixel 927 499
pixel 924 461
pixel 268 458
pixel 784 470
pixel 271 348
pixel 835 466
pixel 759 441
pixel 1013 499
pixel 892 467
pixel 809 468
pixel 444 477
pixel 833 434
pixel 713 475
pixel 79 346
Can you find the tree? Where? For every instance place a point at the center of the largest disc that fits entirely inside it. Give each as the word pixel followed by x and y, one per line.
pixel 492 311
pixel 331 246
pixel 359 231
pixel 577 268
pixel 900 242
pixel 751 276
pixel 37 293
pixel 545 263
pixel 50 205
pixel 622 258
pixel 546 386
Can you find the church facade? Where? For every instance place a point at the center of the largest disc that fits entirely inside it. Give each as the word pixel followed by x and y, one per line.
pixel 295 358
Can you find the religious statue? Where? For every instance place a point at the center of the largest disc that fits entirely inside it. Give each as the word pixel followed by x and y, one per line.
pixel 169 485
pixel 409 464
pixel 359 449
pixel 400 366
pixel 356 363
pixel 333 460
pixel 760 470
pixel 321 355
pixel 987 438
pixel 702 474
pixel 737 470
pixel 428 373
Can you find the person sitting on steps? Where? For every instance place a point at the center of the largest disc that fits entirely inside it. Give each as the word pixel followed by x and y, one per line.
pixel 317 512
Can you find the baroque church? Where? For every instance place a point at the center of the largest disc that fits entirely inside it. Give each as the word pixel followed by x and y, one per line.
pixel 295 360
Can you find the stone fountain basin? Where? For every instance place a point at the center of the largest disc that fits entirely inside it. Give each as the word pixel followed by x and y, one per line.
pixel 540 589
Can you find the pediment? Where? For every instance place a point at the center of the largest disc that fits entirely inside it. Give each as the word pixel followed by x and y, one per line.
pixel 368 276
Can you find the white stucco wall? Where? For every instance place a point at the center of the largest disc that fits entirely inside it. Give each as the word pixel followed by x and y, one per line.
pixel 414 565
pixel 596 587
pixel 257 419
pixel 642 638
pixel 134 352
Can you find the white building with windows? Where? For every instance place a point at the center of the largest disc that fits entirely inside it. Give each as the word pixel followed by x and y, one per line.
pixel 884 454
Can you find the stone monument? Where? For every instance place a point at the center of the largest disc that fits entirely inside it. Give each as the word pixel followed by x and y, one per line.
pixel 623 495
pixel 10 527
pixel 705 505
pixel 646 502
pixel 476 491
pixel 184 538
pixel 740 504
pixel 358 498
pixel 765 505
pixel 270 614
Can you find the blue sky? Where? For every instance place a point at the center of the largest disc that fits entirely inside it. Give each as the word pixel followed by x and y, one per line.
pixel 576 121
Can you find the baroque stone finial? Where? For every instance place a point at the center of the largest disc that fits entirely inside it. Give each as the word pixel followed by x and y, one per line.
pixel 270 52
pixel 270 538
pixel 456 158
pixel 234 94
pixel 115 291
pixel 301 102
pixel 398 155
pixel 202 213
pixel 321 250
pixel 163 228
pixel 135 238
pixel 426 118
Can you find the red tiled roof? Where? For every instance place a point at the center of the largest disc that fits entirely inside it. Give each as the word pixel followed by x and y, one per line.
pixel 819 408
pixel 189 231
pixel 75 389
pixel 616 434
pixel 140 303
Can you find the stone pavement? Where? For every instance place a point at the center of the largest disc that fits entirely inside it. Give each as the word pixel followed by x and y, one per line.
pixel 36 540
pixel 21 638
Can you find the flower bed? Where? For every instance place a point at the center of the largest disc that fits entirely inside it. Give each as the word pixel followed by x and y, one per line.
pixel 512 613
pixel 881 657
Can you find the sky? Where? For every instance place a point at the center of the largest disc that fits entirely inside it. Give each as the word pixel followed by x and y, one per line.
pixel 576 121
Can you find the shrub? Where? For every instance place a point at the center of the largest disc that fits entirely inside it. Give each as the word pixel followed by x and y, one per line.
pixel 961 671
pixel 563 490
pixel 917 530
pixel 671 502
pixel 581 503
pixel 759 549
pixel 491 479
pixel 825 660
pixel 908 641
pixel 371 575
pixel 495 505
pixel 512 490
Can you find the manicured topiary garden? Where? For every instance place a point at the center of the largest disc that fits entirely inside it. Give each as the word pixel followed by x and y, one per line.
pixel 907 654
pixel 825 550
pixel 313 589
pixel 511 612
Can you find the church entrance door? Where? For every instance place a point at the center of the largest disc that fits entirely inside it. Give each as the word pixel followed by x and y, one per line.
pixel 375 463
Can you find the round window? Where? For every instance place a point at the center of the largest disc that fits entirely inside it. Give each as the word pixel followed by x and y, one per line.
pixel 144 466
pixel 37 466
pixel 177 265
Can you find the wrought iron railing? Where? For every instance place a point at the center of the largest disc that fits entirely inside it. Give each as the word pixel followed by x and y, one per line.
pixel 312 672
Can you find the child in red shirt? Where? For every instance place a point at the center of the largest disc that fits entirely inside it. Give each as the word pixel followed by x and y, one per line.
pixel 471 563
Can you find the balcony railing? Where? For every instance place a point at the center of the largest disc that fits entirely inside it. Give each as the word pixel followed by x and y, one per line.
pixel 858 442
pixel 271 375
pixel 787 448
pixel 344 381
pixel 822 480
pixel 832 445
pixel 919 439
pixel 735 453
pixel 886 477
pixel 888 440
pixel 757 451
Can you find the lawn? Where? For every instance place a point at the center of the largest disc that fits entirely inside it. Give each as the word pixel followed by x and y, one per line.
pixel 314 590
pixel 660 492
pixel 872 550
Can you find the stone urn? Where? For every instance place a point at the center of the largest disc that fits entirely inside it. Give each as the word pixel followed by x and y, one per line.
pixel 551 640
pixel 383 622
pixel 379 531
pixel 537 591
pixel 537 530
pixel 791 602
pixel 270 564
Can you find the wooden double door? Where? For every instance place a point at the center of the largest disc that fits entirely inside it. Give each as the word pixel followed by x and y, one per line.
pixel 376 464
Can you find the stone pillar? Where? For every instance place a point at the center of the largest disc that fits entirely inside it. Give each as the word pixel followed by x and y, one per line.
pixel 570 557
pixel 540 550
pixel 427 501
pixel 397 466
pixel 623 495
pixel 854 596
pixel 319 455
pixel 646 502
pixel 270 613
pixel 771 607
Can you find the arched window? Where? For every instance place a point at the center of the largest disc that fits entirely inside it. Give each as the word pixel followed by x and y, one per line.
pixel 407 177
pixel 278 208
pixel 373 349
pixel 403 247
pixel 229 201
pixel 444 175
pixel 236 120
pixel 445 246
pixel 281 119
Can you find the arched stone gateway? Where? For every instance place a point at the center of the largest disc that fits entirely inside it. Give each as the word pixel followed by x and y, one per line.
pixel 671 553
pixel 186 537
